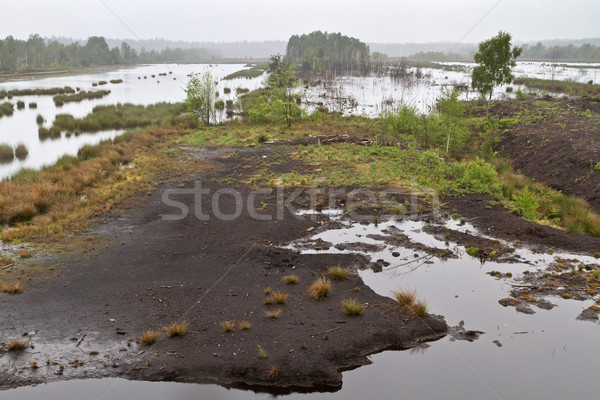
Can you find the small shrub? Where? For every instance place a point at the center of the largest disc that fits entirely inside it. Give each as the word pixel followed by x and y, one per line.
pixel 338 273
pixel 320 288
pixel 291 279
pixel 245 325
pixel 20 105
pixel 405 297
pixel 17 345
pixel 472 251
pixel 12 288
pixel 273 314
pixel 262 353
pixel 21 151
pixel 228 325
pixel 528 204
pixel 219 105
pixel 6 152
pixel 353 307
pixel 177 328
pixel 267 290
pixel 39 119
pixel 33 105
pixel 149 337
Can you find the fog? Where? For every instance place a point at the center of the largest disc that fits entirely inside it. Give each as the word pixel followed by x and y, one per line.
pixel 378 21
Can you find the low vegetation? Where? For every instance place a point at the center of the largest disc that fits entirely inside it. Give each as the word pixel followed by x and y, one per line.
pixel 17 345
pixel 353 306
pixel 6 109
pixel 228 325
pixel 177 328
pixel 122 116
pixel 338 273
pixel 319 289
pixel 407 299
pixel 11 288
pixel 21 151
pixel 149 337
pixel 36 92
pixel 244 325
pixel 6 152
pixel 253 72
pixel 290 279
pixel 262 353
pixel 79 96
pixel 273 314
pixel 557 86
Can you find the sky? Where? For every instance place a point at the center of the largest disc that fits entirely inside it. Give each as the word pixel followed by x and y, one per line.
pixel 376 21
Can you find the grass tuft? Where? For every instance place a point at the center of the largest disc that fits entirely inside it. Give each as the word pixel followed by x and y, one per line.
pixel 290 279
pixel 353 306
pixel 320 288
pixel 12 288
pixel 338 273
pixel 273 372
pixel 262 353
pixel 6 152
pixel 17 345
pixel 228 326
pixel 273 314
pixel 279 297
pixel 244 325
pixel 149 337
pixel 177 328
pixel 419 308
pixel 405 297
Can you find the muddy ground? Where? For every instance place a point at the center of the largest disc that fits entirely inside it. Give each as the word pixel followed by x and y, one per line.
pixel 140 271
pixel 143 272
pixel 558 145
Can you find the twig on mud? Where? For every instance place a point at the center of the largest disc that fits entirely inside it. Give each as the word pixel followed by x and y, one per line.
pixel 328 331
pixel 80 340
pixel 8 266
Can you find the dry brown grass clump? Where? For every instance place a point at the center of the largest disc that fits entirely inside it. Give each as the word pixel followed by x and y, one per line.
pixel 320 288
pixel 290 279
pixel 273 314
pixel 245 325
pixel 177 328
pixel 407 299
pixel 273 372
pixel 149 337
pixel 228 325
pixel 17 345
pixel 12 288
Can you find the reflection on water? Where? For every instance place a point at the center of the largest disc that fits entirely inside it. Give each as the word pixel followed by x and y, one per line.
pixel 546 355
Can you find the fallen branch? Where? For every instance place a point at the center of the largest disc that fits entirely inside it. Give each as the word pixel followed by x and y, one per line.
pixel 80 340
pixel 8 266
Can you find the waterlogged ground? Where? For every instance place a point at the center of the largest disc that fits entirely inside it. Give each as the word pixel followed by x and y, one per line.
pixel 547 354
pixel 21 127
pixel 348 95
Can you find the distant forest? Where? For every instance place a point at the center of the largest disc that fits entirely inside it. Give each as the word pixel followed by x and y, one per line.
pixel 328 52
pixel 315 51
pixel 36 54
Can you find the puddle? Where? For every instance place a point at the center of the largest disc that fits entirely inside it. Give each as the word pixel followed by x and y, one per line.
pixel 546 355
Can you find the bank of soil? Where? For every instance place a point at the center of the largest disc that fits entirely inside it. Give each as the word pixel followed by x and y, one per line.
pixel 558 143
pixel 143 272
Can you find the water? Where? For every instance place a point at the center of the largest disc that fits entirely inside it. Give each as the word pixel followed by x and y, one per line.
pixel 22 126
pixel 545 355
pixel 369 96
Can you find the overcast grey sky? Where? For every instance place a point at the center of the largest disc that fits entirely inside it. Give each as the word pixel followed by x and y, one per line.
pixel 369 20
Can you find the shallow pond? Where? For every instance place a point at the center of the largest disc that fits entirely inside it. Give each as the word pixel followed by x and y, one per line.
pixel 22 126
pixel 549 354
pixel 349 95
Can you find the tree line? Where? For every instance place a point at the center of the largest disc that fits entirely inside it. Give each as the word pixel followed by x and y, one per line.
pixel 36 54
pixel 322 52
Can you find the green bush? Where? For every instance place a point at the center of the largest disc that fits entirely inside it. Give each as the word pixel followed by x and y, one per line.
pixel 528 204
